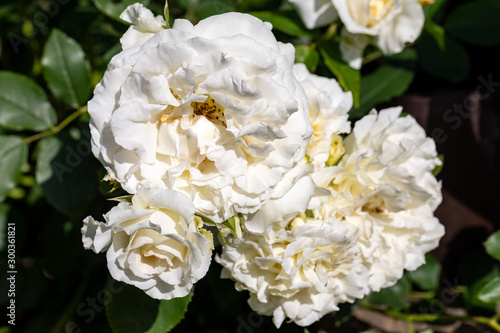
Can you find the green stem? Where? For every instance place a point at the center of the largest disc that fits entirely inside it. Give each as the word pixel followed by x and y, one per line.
pixel 330 32
pixel 167 14
pixel 492 322
pixel 371 57
pixel 409 327
pixel 56 129
pixel 422 294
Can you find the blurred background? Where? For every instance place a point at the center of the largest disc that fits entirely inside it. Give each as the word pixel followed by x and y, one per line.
pixel 449 80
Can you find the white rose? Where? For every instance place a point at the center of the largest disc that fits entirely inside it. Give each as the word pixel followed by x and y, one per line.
pixel 212 110
pixel 153 243
pixel 290 197
pixel 388 24
pixel 384 186
pixel 301 267
pixel 328 113
pixel 302 272
pixel 143 25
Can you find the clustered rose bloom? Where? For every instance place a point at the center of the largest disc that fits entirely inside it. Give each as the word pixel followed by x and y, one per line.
pixel 362 222
pixel 212 110
pixel 384 186
pixel 387 24
pixel 297 266
pixel 213 122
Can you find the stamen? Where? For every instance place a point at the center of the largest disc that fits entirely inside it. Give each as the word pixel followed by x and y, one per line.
pixel 211 110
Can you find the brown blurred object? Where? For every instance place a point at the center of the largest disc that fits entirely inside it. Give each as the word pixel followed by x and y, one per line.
pixel 417 106
pixel 384 323
pixel 457 217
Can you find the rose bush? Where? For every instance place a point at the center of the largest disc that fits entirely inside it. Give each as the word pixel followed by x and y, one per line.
pixel 224 120
pixel 212 110
pixel 299 249
pixel 154 243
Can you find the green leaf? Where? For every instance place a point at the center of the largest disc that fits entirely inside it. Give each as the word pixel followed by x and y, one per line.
pixel 349 78
pixel 13 154
pixel 6 10
pixel 426 277
pixel 129 309
pixel 436 10
pixel 437 170
pixel 208 8
pixel 490 293
pixel 113 8
pixel 475 270
pixel 394 297
pixel 47 150
pixel 492 245
pixel 170 313
pixel 65 69
pixel 234 224
pixel 391 79
pixel 65 173
pixel 253 5
pixel 23 104
pixel 283 23
pixel 451 65
pixel 436 31
pixel 476 22
pixel 308 56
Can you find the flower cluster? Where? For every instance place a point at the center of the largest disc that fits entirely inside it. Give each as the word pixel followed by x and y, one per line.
pixel 387 24
pixel 213 125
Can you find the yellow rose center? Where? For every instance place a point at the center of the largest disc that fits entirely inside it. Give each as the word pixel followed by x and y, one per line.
pixel 212 110
pixel 379 10
pixel 375 205
pixel 298 221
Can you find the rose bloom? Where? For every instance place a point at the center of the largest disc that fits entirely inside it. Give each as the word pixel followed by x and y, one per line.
pixel 212 110
pixel 388 24
pixel 298 267
pixel 328 113
pixel 384 186
pixel 153 243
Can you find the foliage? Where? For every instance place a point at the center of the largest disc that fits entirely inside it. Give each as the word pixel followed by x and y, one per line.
pixel 51 181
